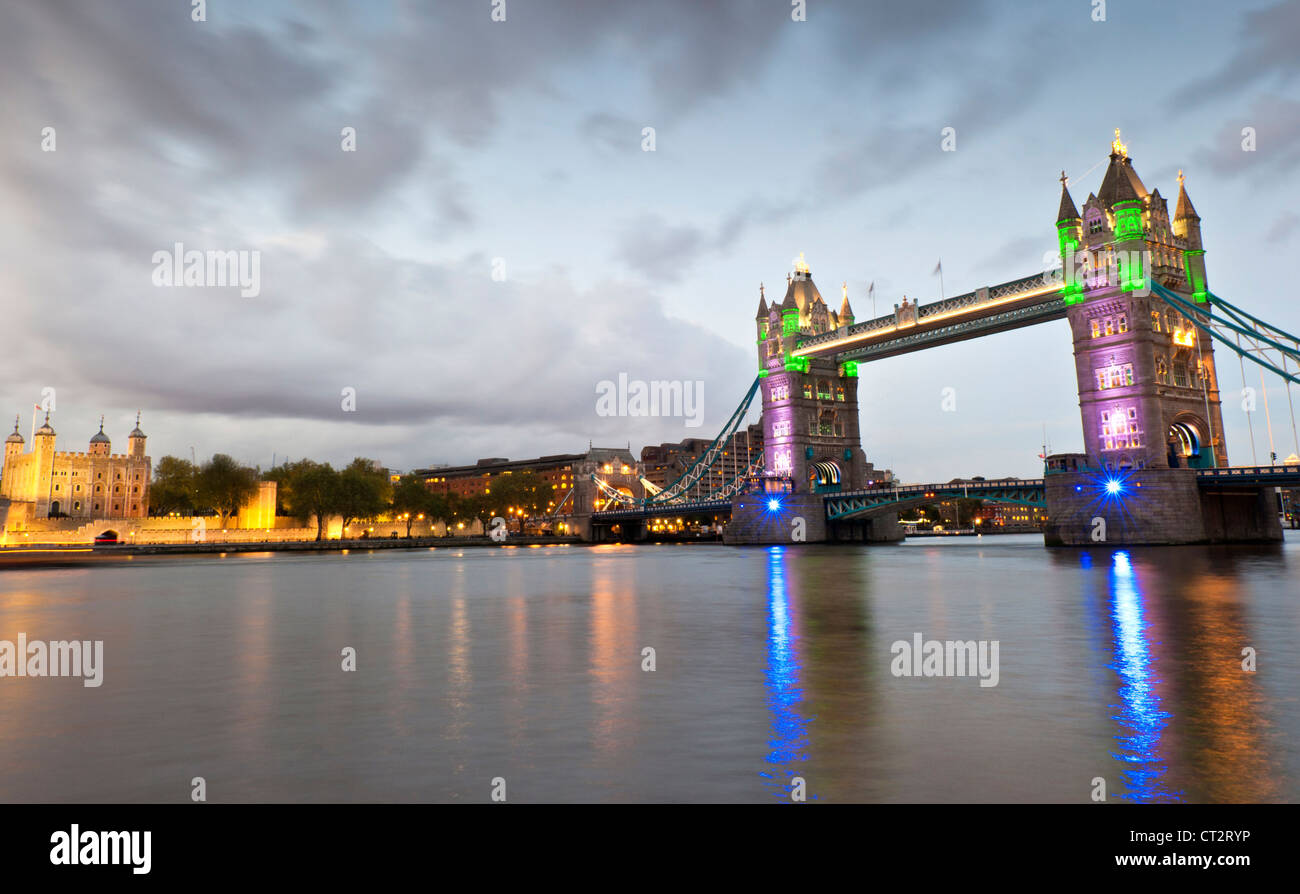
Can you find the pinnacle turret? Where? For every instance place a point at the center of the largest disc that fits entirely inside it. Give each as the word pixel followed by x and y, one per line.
pixel 1184 211
pixel 1067 210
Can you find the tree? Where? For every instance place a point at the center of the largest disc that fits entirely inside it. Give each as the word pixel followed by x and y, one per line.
pixel 523 494
pixel 439 507
pixel 966 509
pixel 224 485
pixel 483 507
pixel 174 487
pixel 411 499
pixel 362 491
pixel 313 492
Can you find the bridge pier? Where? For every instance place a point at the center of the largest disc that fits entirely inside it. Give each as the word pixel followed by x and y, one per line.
pixel 1154 507
pixel 758 518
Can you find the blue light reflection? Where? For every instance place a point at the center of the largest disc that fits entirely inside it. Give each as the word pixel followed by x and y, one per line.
pixel 1140 718
pixel 789 742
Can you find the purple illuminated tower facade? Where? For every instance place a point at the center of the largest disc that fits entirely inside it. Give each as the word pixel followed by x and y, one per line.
pixel 1148 386
pixel 810 405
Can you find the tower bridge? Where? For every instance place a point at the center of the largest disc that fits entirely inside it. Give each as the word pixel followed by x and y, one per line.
pixel 1144 325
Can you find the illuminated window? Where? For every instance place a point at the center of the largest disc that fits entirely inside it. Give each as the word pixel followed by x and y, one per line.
pixel 1123 322
pixel 1096 329
pixel 839 393
pixel 1180 375
pixel 807 390
pixel 1110 326
pixel 1155 320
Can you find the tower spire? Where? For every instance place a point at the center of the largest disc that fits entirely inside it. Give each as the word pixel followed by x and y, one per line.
pixel 1067 211
pixel 1184 210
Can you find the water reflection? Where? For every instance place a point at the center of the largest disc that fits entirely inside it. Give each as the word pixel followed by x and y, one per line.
pixel 1140 717
pixel 789 740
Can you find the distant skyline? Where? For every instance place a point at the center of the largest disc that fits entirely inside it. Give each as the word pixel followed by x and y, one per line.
pixel 517 147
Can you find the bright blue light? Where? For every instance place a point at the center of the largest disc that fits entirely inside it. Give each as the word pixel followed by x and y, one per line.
pixel 1114 487
pixel 773 505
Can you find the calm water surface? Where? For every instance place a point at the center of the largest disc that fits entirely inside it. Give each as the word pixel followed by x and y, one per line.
pixel 770 663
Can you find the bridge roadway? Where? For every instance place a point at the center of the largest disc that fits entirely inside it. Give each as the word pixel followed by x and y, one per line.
pixel 1010 305
pixel 1023 491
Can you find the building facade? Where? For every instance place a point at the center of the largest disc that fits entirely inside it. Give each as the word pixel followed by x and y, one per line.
pixel 1148 387
pixel 662 464
pixel 95 484
pixel 570 473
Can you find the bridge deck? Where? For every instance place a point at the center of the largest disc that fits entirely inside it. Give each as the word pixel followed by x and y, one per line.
pixel 1011 305
pixel 1024 491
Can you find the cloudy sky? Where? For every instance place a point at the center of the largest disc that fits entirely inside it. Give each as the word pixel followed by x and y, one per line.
pixel 517 146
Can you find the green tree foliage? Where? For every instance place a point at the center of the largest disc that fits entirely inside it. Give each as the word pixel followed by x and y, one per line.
pixel 312 492
pixel 223 485
pixel 525 491
pixel 362 492
pixel 410 500
pixel 174 487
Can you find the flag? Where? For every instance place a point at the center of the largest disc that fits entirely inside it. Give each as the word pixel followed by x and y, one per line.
pixel 871 289
pixel 938 268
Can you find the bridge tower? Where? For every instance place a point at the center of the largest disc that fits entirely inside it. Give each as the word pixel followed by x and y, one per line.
pixel 1148 387
pixel 810 405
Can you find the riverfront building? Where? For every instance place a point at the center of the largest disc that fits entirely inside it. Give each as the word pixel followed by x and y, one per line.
pixel 663 464
pixel 95 484
pixel 570 473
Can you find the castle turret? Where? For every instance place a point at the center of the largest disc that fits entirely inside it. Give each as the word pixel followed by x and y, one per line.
pixel 14 443
pixel 13 449
pixel 100 445
pixel 135 440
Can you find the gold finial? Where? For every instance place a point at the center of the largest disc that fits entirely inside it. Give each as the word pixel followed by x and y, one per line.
pixel 762 293
pixel 845 287
pixel 1064 180
pixel 101 424
pixel 1117 146
pixel 1180 176
pixel 800 265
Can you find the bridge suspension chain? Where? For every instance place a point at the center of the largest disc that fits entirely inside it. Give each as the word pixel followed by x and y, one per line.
pixel 679 490
pixel 1265 345
pixel 674 491
pixel 1259 349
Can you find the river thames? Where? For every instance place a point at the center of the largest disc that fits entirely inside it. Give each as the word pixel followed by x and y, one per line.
pixel 528 665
